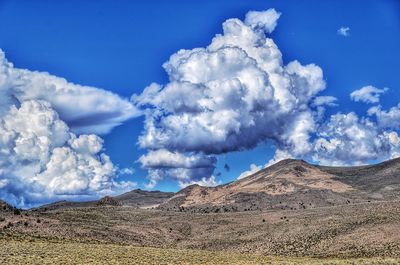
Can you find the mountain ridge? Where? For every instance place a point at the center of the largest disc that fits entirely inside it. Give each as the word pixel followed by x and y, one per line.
pixel 293 184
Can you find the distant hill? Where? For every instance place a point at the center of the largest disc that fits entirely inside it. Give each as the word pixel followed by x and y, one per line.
pixel 293 184
pixel 135 198
pixel 142 198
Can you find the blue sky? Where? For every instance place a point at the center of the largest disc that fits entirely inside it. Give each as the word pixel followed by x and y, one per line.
pixel 120 46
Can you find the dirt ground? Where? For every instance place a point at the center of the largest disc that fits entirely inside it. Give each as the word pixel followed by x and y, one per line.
pixel 27 252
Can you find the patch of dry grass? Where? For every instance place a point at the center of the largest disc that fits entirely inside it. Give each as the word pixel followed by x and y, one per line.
pixel 34 251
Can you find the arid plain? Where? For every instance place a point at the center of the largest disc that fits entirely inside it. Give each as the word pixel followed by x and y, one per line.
pixel 314 221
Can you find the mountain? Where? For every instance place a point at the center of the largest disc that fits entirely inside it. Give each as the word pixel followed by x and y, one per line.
pixel 135 198
pixel 293 184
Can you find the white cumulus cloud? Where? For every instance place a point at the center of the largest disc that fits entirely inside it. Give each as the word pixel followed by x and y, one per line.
pixel 41 160
pixel 346 139
pixel 386 118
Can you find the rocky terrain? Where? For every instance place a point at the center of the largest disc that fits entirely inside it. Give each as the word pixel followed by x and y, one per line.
pixel 345 231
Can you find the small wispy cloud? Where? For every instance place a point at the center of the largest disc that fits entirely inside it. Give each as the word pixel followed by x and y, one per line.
pixel 344 31
pixel 253 169
pixel 368 94
pixel 126 171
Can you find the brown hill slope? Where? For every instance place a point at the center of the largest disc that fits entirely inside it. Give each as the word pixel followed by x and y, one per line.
pixel 293 184
pixel 380 181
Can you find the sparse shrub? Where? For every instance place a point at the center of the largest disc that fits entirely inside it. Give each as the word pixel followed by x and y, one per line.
pixel 17 211
pixel 263 220
pixel 38 221
pixel 26 223
pixel 2 219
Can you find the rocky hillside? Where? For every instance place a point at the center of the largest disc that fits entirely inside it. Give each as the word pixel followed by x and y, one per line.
pixel 5 207
pixel 108 201
pixel 293 184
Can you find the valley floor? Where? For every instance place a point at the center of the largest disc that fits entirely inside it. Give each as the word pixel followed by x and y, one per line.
pixel 28 251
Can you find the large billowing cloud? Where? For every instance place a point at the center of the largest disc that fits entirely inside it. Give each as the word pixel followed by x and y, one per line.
pixel 236 92
pixel 229 96
pixel 85 109
pixel 41 159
